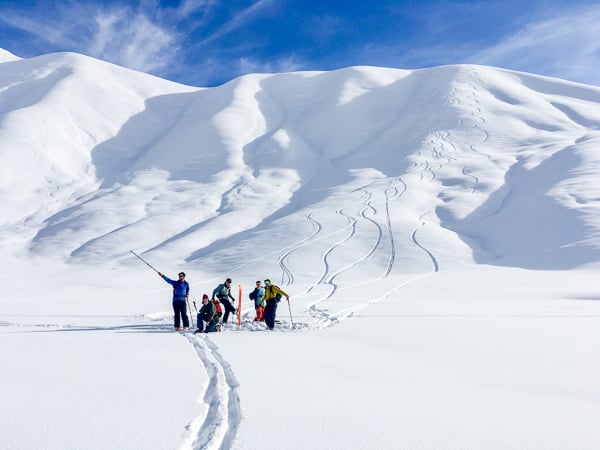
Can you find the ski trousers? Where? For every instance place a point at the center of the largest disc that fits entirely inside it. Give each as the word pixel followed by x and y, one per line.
pixel 260 314
pixel 228 307
pixel 179 308
pixel 270 312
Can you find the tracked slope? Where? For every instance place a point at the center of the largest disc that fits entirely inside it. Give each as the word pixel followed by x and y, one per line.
pixel 476 153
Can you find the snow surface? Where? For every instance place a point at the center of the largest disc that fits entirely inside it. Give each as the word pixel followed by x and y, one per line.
pixel 438 232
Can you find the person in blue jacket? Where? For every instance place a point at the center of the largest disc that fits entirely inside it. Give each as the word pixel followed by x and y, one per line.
pixel 258 295
pixel 181 292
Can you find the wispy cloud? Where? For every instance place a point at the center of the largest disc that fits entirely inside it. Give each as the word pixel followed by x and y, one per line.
pixel 147 36
pixel 237 20
pixel 131 39
pixel 45 31
pixel 188 7
pixel 566 46
pixel 208 41
pixel 119 34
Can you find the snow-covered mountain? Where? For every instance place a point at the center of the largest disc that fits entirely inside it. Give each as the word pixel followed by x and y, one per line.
pixel 500 164
pixel 346 188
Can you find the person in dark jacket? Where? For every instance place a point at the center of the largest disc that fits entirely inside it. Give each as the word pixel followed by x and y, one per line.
pixel 223 293
pixel 258 295
pixel 207 315
pixel 272 296
pixel 181 292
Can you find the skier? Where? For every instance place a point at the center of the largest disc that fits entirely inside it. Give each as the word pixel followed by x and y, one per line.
pixel 181 291
pixel 272 297
pixel 258 295
pixel 208 314
pixel 223 293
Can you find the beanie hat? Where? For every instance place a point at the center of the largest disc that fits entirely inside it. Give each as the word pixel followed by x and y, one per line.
pixel 204 296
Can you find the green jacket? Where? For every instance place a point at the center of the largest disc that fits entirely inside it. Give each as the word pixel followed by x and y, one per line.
pixel 208 312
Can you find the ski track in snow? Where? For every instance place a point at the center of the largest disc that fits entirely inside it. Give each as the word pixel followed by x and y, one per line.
pixel 436 266
pixel 217 429
pixel 368 213
pixel 442 150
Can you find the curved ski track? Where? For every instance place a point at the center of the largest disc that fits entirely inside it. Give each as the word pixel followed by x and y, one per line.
pixel 394 190
pixel 443 152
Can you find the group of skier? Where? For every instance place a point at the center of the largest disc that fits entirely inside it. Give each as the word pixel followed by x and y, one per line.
pixel 265 302
pixel 216 310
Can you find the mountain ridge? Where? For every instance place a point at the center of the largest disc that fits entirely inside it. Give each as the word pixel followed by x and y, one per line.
pixel 460 141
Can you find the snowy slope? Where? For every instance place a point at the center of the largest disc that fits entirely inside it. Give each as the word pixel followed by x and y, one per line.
pixel 469 135
pixel 6 56
pixel 394 206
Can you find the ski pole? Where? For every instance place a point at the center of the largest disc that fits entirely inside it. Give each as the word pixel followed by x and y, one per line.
pixel 142 259
pixel 239 310
pixel 290 308
pixel 190 309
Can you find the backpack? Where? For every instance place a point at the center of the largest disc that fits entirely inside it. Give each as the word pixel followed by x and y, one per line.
pixel 277 297
pixel 219 307
pixel 252 294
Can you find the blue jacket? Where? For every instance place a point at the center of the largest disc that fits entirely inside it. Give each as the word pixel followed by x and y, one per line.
pixel 258 295
pixel 180 288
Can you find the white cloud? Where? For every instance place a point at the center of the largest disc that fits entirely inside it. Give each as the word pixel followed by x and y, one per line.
pixel 122 35
pixel 54 33
pixel 566 46
pixel 132 40
pixel 188 7
pixel 143 35
pixel 238 20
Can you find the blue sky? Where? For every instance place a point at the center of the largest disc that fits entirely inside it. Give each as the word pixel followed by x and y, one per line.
pixel 209 42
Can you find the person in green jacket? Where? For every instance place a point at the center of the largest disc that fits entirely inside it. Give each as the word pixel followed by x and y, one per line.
pixel 207 315
pixel 273 295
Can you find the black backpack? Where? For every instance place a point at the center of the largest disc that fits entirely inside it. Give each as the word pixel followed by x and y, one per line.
pixel 277 297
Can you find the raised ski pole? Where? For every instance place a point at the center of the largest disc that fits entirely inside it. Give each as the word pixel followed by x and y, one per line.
pixel 142 259
pixel 149 265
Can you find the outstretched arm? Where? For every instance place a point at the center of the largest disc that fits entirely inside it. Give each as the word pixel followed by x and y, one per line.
pixel 283 293
pixel 167 279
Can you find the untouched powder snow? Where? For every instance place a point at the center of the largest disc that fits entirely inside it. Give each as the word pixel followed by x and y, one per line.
pixel 438 231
